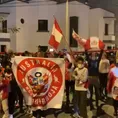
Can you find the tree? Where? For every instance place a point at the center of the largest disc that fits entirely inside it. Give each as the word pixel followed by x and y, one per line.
pixel 12 29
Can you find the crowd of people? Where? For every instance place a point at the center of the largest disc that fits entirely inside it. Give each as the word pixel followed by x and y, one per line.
pixel 85 73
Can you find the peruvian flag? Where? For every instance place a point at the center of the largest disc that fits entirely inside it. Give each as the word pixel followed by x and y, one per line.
pixel 91 43
pixel 94 43
pixel 56 35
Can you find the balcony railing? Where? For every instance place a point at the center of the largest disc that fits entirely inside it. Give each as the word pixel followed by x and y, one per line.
pixel 4 35
pixel 5 1
pixel 109 38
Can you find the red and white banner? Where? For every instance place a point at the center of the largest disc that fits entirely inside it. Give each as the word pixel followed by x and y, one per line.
pixel 41 80
pixel 56 35
pixel 94 43
pixel 79 40
pixel 91 43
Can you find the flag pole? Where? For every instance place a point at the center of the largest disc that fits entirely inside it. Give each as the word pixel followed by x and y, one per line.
pixel 67 21
pixel 66 38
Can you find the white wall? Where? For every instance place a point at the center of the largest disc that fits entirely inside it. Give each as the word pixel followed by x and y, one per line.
pixel 28 35
pixel 97 22
pixel 28 38
pixel 94 22
pixel 91 22
pixel 11 20
pixel 82 11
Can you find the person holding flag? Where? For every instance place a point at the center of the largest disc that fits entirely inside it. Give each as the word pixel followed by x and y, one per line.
pixel 93 63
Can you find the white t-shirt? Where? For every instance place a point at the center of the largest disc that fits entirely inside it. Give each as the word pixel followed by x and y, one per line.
pixel 80 79
pixel 104 66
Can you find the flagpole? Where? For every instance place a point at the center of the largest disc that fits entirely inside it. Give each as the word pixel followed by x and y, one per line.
pixel 67 21
pixel 66 37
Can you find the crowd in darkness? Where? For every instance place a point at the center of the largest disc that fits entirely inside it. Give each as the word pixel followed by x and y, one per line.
pixel 85 62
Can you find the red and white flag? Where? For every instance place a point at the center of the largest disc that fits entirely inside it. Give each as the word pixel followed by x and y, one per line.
pixel 56 35
pixel 79 40
pixel 41 80
pixel 91 43
pixel 94 43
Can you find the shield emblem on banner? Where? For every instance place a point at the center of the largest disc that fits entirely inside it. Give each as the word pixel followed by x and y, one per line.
pixel 41 78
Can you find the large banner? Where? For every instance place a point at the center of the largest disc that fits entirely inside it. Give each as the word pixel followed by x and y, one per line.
pixel 41 80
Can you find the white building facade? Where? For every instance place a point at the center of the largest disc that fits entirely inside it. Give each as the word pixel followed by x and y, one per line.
pixel 102 25
pixel 35 21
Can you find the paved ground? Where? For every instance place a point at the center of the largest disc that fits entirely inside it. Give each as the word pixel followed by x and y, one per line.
pixel 105 111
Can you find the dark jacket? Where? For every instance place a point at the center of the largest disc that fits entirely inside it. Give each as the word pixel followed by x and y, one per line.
pixel 93 65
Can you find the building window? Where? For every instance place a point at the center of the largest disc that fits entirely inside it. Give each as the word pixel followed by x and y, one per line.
pixel 109 47
pixel 74 21
pixel 3 48
pixel 4 26
pixel 22 20
pixel 106 29
pixel 42 25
